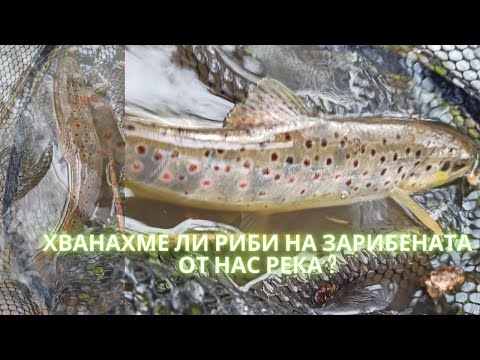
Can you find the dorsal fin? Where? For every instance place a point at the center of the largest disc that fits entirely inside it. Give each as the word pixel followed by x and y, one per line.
pixel 268 104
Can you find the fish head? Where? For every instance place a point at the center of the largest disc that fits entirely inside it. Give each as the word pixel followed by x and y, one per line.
pixel 450 155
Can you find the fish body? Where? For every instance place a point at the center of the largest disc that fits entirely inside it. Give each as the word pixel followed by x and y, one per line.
pixel 273 157
pixel 78 140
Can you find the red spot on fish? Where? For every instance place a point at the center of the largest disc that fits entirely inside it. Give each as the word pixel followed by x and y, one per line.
pixel 387 182
pixel 166 176
pixel 274 156
pixel 365 172
pixel 252 120
pixel 306 163
pixel 291 180
pixel 77 125
pixel 141 150
pixel 216 168
pixel 242 185
pixel 329 161
pixel 192 167
pixel 316 176
pixel 83 100
pixel 158 156
pixel 206 183
pixel 338 176
pixel 262 193
pixel 186 192
pixel 228 168
pixel 137 166
pixel 266 171
pixel 355 163
pixel 181 177
pixel 277 177
pixel 243 119
pixel 349 182
pixel 302 192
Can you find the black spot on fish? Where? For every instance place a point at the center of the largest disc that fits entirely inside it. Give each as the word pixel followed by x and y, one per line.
pixel 130 127
pixel 428 167
pixel 306 163
pixel 418 153
pixel 399 169
pixel 383 172
pixel 416 163
pixel 329 161
pixel 342 143
pixel 317 157
pixel 246 164
pixel 289 160
pixel 336 135
pixel 308 144
pixel 445 166
pixel 324 142
pixel 347 156
pixel 288 137
pixel 349 182
pixel 242 149
pixel 207 153
pixel 407 151
pixel 458 165
pixel 398 136
pixel 382 159
pixel 395 157
pixel 373 152
pixel 274 157
pixel 220 151
pixel 363 149
pixel 384 141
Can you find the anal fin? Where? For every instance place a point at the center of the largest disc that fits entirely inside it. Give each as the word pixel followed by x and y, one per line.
pixel 404 200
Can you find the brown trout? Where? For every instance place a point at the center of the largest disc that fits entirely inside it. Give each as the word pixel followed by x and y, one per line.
pixel 273 156
pixel 78 141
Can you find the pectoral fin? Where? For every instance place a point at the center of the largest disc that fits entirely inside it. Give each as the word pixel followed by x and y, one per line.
pixel 404 200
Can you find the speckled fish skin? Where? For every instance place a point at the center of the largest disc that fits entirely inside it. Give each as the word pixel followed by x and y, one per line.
pixel 305 163
pixel 78 140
